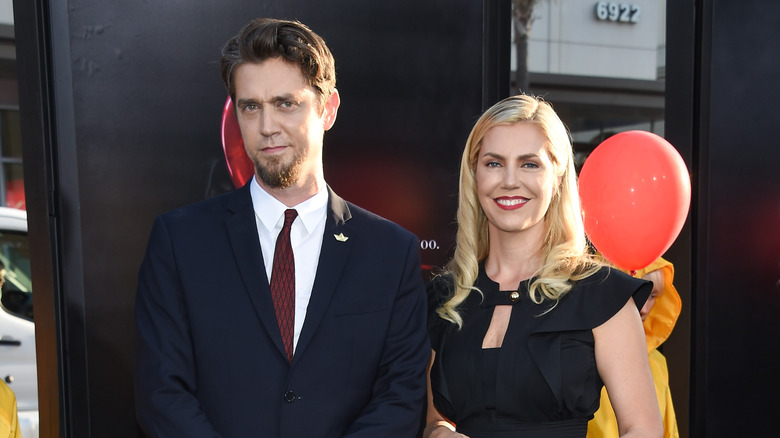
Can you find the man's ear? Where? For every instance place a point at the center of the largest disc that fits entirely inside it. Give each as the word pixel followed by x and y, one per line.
pixel 331 109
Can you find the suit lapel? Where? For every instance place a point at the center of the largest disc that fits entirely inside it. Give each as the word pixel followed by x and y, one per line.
pixel 240 225
pixel 336 244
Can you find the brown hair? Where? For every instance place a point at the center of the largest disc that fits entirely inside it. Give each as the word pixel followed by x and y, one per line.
pixel 266 38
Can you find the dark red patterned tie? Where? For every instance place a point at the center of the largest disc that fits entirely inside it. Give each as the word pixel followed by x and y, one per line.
pixel 283 283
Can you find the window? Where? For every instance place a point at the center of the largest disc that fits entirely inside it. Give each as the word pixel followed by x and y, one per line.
pixel 11 174
pixel 16 292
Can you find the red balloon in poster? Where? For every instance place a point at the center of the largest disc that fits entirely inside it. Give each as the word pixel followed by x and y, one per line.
pixel 635 192
pixel 239 165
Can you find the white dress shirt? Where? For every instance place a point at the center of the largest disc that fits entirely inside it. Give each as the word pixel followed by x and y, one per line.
pixel 305 236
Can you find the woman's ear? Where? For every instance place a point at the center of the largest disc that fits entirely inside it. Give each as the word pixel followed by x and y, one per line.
pixel 557 189
pixel 331 109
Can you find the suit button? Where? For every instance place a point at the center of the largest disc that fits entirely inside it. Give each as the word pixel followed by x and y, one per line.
pixel 290 397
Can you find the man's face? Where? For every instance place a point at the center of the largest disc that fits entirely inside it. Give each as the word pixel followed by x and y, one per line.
pixel 282 123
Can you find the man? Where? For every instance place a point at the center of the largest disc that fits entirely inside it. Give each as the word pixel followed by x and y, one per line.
pixel 220 351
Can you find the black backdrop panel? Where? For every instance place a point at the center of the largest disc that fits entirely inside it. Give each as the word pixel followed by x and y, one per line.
pixel 742 274
pixel 148 102
pixel 721 101
pixel 146 111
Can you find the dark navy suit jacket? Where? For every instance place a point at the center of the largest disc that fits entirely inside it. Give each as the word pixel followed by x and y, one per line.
pixel 209 356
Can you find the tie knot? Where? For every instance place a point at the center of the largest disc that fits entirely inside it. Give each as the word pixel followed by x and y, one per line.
pixel 289 216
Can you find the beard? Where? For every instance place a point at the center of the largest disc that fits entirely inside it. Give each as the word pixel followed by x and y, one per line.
pixel 278 175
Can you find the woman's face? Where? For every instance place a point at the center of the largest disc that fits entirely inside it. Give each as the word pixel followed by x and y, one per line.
pixel 515 178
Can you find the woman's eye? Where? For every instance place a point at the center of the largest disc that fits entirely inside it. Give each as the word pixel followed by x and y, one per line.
pixel 492 164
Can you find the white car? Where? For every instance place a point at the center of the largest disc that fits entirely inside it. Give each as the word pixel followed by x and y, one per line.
pixel 17 331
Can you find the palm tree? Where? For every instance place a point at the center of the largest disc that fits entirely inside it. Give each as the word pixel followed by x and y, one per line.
pixel 522 17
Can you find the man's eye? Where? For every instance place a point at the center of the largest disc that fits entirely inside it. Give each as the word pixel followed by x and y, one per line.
pixel 250 107
pixel 287 104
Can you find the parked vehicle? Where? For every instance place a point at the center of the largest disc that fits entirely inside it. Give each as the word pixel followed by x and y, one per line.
pixel 17 330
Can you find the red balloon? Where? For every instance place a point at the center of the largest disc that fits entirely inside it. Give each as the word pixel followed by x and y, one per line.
pixel 238 163
pixel 635 192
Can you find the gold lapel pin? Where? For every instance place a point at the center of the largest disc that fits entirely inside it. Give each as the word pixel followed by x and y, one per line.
pixel 341 237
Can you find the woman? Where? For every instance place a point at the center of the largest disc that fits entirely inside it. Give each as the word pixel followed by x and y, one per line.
pixel 526 325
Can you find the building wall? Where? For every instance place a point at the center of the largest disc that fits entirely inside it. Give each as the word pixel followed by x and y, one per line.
pixel 568 38
pixel 6 12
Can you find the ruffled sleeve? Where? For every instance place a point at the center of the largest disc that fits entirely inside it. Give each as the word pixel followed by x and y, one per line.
pixel 594 300
pixel 590 303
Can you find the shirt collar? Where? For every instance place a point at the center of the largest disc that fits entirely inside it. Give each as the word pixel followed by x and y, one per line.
pixel 270 210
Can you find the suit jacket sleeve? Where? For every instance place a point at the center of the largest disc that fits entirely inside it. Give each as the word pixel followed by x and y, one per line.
pixel 165 377
pixel 396 406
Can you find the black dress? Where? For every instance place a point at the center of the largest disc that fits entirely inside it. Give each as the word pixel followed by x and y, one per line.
pixel 543 381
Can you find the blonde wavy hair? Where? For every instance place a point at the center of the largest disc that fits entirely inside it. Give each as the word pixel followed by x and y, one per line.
pixel 564 251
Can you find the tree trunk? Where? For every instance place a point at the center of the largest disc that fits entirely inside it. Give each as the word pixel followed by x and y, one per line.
pixel 522 13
